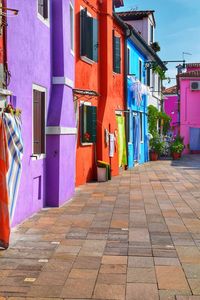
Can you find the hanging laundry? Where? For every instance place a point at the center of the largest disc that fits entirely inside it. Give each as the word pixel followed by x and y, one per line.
pixel 15 149
pixel 121 141
pixel 112 145
pixel 4 196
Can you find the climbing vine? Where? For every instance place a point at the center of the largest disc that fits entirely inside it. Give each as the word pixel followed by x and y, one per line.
pixel 158 70
pixel 156 117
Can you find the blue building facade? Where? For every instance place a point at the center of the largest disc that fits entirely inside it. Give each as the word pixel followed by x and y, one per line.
pixel 137 101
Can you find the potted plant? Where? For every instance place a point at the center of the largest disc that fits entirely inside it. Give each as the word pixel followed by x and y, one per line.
pixel 156 148
pixel 177 147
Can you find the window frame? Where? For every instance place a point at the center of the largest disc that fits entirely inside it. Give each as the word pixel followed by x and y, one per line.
pixel 120 54
pixel 82 104
pixel 45 21
pixel 41 89
pixel 84 57
pixel 140 70
pixel 151 34
pixel 72 35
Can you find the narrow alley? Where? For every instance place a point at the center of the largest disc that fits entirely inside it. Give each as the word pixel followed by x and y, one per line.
pixel 136 237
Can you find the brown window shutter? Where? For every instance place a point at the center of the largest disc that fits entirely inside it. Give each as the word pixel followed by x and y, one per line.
pixel 45 9
pixel 39 122
pixel 42 95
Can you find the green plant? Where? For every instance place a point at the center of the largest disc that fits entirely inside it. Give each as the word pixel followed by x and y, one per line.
pixel 155 46
pixel 155 116
pixel 158 70
pixel 156 145
pixel 177 145
pixel 153 119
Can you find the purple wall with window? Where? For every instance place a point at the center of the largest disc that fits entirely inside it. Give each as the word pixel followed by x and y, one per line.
pixel 40 57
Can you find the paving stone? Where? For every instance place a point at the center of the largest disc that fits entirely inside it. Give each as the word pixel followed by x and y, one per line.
pixel 141 291
pixel 81 288
pixel 116 269
pixel 140 262
pixel 166 261
pixel 111 278
pixel 146 275
pixel 87 262
pixel 109 291
pixel 117 260
pixel 171 278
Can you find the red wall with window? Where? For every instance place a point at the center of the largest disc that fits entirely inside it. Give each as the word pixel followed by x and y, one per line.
pixel 99 77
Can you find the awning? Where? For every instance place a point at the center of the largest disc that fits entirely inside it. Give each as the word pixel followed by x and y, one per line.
pixel 88 93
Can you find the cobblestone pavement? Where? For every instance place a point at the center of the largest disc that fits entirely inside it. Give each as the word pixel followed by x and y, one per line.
pixel 136 237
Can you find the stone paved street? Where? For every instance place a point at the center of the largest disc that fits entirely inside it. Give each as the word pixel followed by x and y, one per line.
pixel 136 237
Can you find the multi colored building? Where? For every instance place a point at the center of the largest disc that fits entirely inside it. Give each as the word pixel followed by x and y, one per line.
pixel 141 58
pixel 189 93
pixel 40 51
pixel 99 86
pixel 171 107
pixel 144 24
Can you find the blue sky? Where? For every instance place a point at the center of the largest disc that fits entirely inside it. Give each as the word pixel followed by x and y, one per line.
pixel 177 27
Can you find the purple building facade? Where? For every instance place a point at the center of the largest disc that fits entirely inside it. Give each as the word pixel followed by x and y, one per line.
pixel 40 49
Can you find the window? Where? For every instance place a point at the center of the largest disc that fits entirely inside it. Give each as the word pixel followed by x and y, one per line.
pixel 89 36
pixel 38 122
pixel 88 124
pixel 151 34
pixel 72 27
pixel 128 61
pixel 141 128
pixel 116 54
pixel 148 74
pixel 43 8
pixel 140 70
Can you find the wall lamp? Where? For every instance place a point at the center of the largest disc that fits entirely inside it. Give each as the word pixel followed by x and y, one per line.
pixel 10 12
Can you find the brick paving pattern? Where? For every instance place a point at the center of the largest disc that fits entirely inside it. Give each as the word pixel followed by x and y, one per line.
pixel 136 237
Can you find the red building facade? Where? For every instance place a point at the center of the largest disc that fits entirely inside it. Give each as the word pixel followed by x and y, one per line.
pixel 99 86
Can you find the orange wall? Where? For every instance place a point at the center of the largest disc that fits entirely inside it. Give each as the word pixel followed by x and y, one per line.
pixel 100 78
pixel 86 78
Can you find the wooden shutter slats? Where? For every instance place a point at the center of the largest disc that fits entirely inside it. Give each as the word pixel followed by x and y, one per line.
pixel 38 122
pixel 116 54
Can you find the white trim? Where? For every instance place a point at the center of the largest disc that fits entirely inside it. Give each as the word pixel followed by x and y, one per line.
pixel 63 80
pixel 44 90
pixel 71 7
pixel 87 60
pixel 40 17
pixel 58 130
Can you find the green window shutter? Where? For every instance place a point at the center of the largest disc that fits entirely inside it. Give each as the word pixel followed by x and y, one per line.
pixel 83 32
pixel 95 40
pixel 88 124
pixel 116 54
pixel 89 38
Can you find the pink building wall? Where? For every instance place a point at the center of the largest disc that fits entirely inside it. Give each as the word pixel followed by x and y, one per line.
pixel 171 109
pixel 189 110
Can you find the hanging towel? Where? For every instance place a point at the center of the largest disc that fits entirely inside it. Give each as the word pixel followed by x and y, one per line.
pixel 112 145
pixel 121 141
pixel 15 147
pixel 137 138
pixel 4 197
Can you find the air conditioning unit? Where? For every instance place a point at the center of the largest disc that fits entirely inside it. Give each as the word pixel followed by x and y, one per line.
pixel 195 85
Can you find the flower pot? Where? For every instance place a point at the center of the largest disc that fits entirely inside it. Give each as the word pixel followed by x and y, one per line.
pixel 176 156
pixel 153 156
